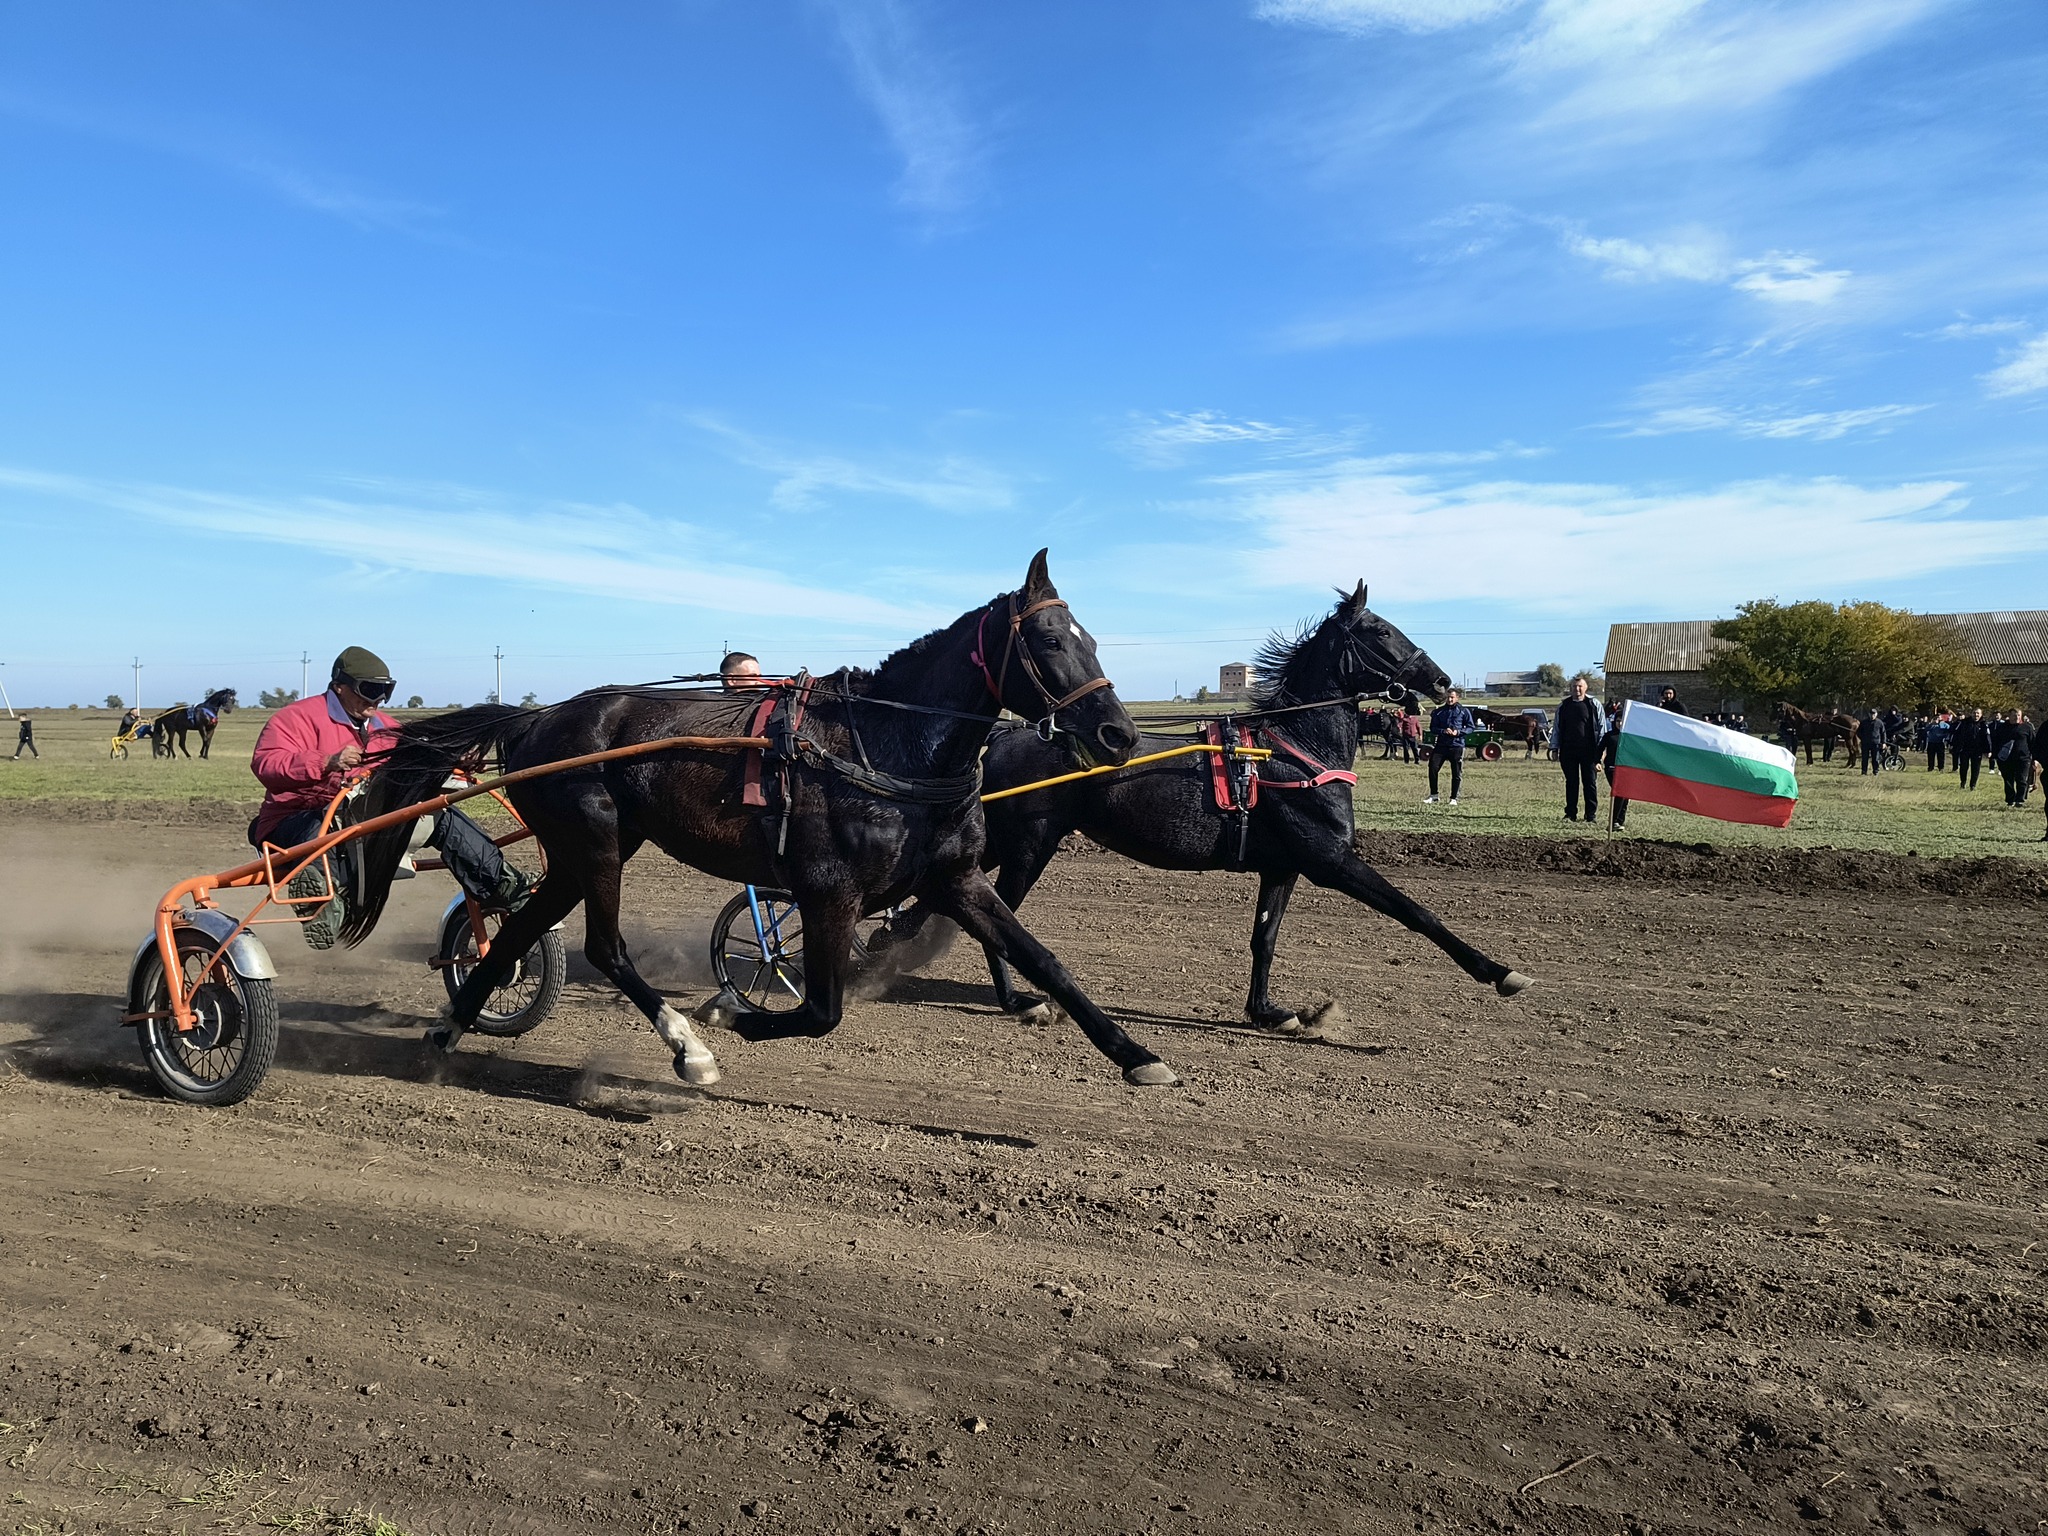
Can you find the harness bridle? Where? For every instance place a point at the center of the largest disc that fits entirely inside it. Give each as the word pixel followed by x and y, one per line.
pixel 1014 645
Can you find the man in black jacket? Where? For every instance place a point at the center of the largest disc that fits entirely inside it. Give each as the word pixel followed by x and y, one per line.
pixel 1670 701
pixel 1870 733
pixel 2015 753
pixel 1971 741
pixel 1580 730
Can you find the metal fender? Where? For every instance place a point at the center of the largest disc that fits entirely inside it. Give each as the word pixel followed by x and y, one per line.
pixel 455 906
pixel 246 954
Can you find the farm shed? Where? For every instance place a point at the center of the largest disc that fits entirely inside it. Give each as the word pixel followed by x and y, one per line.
pixel 1643 658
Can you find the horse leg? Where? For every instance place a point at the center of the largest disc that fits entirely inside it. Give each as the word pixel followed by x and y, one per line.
pixel 1013 883
pixel 550 902
pixel 1360 881
pixel 829 922
pixel 1275 891
pixel 604 947
pixel 973 903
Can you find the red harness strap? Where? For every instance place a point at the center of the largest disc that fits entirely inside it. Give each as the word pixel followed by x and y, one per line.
pixel 1219 767
pixel 1320 773
pixel 751 792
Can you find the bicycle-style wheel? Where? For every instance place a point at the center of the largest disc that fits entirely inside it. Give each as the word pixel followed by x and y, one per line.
pixel 757 950
pixel 525 997
pixel 227 1053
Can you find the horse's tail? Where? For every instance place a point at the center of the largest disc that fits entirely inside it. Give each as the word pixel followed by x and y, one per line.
pixel 413 769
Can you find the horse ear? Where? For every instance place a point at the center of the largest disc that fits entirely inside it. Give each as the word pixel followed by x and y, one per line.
pixel 1355 603
pixel 1037 579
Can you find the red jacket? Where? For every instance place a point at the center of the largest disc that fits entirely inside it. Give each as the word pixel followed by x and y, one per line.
pixel 292 752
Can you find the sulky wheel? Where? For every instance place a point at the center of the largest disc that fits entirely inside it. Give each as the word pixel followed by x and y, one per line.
pixel 1490 752
pixel 225 1056
pixel 760 962
pixel 527 996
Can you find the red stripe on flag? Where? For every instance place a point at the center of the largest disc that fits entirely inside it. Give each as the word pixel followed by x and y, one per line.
pixel 1703 799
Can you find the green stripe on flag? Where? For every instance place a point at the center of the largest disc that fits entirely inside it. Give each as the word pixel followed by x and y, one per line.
pixel 1703 767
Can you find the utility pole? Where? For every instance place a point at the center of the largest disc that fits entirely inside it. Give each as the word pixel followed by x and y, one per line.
pixel 138 682
pixel 3 696
pixel 498 655
pixel 303 660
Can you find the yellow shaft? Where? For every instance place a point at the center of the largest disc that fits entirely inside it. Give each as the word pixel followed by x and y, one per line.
pixel 1251 754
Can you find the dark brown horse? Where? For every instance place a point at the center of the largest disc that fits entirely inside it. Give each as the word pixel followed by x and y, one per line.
pixel 203 717
pixel 881 807
pixel 1826 729
pixel 1527 729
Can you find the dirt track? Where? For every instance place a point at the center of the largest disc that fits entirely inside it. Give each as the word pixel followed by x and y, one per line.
pixel 1722 1205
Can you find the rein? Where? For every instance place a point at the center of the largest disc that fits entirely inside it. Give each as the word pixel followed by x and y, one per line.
pixel 1013 645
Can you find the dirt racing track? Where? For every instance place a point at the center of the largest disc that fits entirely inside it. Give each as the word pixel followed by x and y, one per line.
pixel 1735 1223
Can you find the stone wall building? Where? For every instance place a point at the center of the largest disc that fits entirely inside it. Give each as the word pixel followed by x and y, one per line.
pixel 1235 678
pixel 1642 659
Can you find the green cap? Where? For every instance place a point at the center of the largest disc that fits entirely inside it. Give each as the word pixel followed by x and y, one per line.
pixel 361 666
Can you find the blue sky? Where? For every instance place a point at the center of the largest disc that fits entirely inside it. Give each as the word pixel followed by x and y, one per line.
pixel 613 335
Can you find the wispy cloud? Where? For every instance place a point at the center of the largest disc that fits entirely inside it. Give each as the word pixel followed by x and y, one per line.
pixel 1698 256
pixel 610 551
pixel 1966 329
pixel 1572 546
pixel 903 78
pixel 1168 437
pixel 234 151
pixel 1819 426
pixel 805 481
pixel 2024 372
pixel 1360 16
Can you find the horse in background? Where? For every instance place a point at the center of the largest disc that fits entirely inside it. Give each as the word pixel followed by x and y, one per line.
pixel 203 717
pixel 1527 729
pixel 1797 724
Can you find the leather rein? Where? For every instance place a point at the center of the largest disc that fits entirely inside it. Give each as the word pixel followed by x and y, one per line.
pixel 1013 645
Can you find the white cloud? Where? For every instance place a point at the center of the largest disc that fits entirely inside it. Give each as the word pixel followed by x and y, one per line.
pixel 1168 437
pixel 1966 329
pixel 1650 58
pixel 948 484
pixel 1380 15
pixel 1697 260
pixel 1428 539
pixel 616 551
pixel 1820 426
pixel 1782 279
pixel 2024 372
pixel 900 76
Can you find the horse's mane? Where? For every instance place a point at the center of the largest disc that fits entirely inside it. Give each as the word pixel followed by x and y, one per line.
pixel 1276 659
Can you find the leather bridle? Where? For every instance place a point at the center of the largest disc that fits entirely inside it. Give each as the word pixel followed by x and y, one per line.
pixel 1013 645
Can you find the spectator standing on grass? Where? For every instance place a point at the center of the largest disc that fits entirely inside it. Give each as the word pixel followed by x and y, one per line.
pixel 2015 754
pixel 1939 729
pixel 1448 723
pixel 26 738
pixel 1390 733
pixel 1411 734
pixel 1967 745
pixel 1870 734
pixel 1581 732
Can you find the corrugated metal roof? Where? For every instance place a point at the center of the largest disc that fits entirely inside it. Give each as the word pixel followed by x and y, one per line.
pixel 2011 639
pixel 1680 646
pixel 2017 638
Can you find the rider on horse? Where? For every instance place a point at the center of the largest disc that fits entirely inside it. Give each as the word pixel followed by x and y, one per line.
pixel 304 756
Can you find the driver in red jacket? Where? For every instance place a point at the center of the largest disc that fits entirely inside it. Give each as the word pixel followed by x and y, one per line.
pixel 304 756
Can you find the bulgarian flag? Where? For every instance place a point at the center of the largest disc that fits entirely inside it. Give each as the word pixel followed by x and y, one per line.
pixel 1671 759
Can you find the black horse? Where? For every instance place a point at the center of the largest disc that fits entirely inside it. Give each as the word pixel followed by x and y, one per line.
pixel 881 807
pixel 1297 818
pixel 203 717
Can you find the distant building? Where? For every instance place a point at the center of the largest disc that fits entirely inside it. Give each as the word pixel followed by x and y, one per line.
pixel 1236 677
pixel 1509 685
pixel 1643 659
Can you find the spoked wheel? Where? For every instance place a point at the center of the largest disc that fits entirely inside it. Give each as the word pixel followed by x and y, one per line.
pixel 527 996
pixel 759 959
pixel 225 1056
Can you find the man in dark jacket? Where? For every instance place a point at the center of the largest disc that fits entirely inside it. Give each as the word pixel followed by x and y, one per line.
pixel 1448 723
pixel 2015 754
pixel 1972 739
pixel 1580 730
pixel 1870 733
pixel 1669 700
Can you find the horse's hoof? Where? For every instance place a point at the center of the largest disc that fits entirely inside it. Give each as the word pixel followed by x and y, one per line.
pixel 1286 1024
pixel 1151 1074
pixel 445 1038
pixel 698 1071
pixel 716 1012
pixel 1512 983
pixel 1037 1014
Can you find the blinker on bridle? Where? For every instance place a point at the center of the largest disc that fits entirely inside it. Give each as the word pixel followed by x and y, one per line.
pixel 1014 645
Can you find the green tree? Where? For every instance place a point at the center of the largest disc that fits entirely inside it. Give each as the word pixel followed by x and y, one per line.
pixel 277 698
pixel 415 702
pixel 1550 678
pixel 114 701
pixel 1846 656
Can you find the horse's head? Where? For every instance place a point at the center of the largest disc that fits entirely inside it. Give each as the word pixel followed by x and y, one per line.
pixel 222 699
pixel 1045 669
pixel 1360 653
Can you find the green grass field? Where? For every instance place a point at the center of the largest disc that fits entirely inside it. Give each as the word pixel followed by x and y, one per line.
pixel 1914 811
